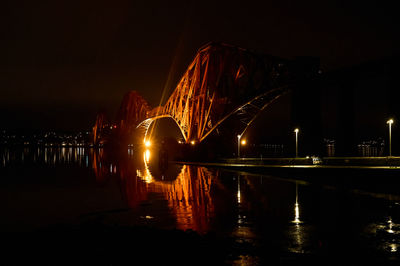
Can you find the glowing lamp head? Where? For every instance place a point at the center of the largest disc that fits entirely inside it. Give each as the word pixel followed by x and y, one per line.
pixel 296 130
pixel 243 142
pixel 390 121
pixel 147 143
pixel 192 142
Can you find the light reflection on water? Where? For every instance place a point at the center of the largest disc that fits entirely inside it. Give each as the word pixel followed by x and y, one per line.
pixel 186 189
pixel 251 209
pixel 46 155
pixel 298 232
pixel 385 234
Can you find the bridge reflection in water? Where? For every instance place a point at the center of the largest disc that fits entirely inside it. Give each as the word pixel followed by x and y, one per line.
pixel 249 208
pixel 186 189
pixel 259 212
pixel 204 200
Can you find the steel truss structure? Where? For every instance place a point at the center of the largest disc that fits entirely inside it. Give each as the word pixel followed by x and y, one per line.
pixel 222 81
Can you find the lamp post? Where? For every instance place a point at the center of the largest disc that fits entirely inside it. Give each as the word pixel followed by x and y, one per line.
pixel 238 145
pixel 296 130
pixel 390 122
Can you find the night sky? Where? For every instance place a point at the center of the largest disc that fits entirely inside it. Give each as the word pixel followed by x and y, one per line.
pixel 63 61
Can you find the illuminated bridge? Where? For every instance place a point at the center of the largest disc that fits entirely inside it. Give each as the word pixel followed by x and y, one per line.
pixel 222 82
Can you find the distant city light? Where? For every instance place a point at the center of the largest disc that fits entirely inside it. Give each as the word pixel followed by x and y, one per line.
pixel 192 142
pixel 243 142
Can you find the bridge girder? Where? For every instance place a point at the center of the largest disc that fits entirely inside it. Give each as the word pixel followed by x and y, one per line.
pixel 222 81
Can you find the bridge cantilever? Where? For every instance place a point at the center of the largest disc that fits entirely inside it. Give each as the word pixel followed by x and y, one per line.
pixel 211 90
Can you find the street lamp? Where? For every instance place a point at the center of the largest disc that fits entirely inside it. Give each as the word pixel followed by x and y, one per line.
pixel 390 122
pixel 243 142
pixel 296 130
pixel 238 143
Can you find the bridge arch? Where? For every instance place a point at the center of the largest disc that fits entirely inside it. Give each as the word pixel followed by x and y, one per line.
pixel 145 125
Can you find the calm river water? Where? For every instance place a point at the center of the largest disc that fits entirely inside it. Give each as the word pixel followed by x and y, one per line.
pixel 45 187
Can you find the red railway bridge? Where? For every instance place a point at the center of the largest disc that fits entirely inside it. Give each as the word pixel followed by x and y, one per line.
pixel 222 82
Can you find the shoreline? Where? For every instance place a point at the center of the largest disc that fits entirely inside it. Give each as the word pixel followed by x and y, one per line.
pixel 369 163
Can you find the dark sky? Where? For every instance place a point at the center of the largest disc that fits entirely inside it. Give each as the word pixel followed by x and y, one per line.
pixel 62 61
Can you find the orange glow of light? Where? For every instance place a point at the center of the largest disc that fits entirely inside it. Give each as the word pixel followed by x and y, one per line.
pixel 192 142
pixel 188 195
pixel 147 143
pixel 147 156
pixel 243 142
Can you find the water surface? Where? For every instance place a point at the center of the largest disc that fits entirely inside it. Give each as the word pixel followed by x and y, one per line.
pixel 266 218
